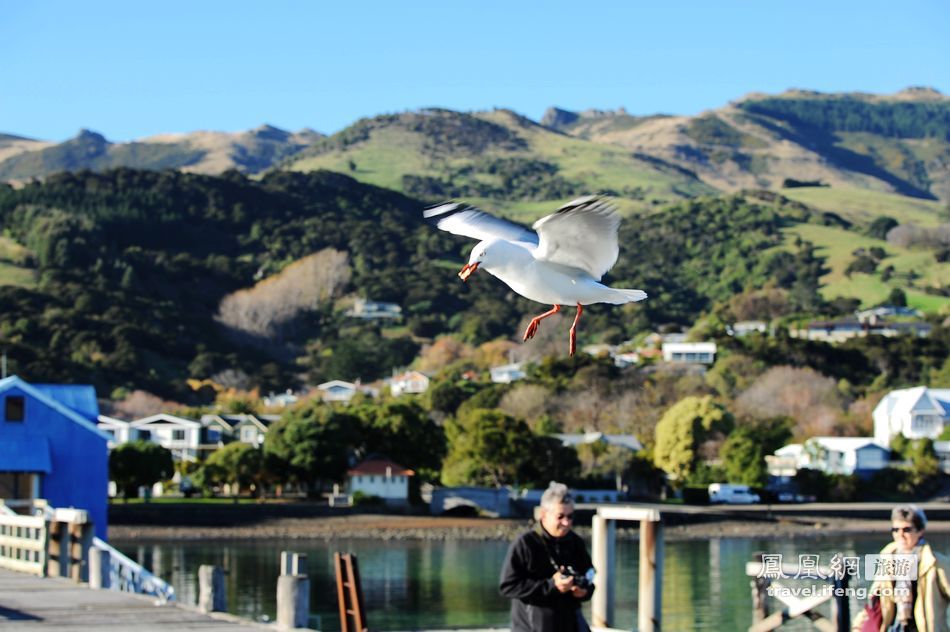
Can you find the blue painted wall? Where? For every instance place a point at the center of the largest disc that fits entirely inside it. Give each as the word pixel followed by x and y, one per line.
pixel 79 454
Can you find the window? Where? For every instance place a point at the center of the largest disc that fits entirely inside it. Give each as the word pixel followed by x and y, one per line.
pixel 14 408
pixel 178 435
pixel 145 435
pixel 214 435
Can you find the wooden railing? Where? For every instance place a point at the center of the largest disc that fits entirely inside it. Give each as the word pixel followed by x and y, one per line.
pixel 24 543
pixel 59 542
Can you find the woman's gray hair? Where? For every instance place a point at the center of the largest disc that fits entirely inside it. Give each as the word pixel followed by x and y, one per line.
pixel 910 513
pixel 556 494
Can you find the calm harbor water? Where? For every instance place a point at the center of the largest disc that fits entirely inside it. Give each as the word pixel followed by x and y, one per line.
pixel 429 584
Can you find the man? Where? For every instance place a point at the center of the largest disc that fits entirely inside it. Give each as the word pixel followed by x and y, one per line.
pixel 546 570
pixel 906 605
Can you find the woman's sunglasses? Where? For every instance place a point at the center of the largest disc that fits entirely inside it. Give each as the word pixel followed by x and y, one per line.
pixel 903 529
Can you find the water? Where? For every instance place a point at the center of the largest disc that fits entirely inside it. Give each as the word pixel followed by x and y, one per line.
pixel 430 584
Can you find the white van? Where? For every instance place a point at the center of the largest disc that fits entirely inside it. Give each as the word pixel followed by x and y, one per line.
pixel 729 494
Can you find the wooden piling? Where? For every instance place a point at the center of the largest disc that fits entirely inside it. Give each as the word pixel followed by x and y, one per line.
pixel 100 569
pixel 649 610
pixel 603 539
pixel 211 595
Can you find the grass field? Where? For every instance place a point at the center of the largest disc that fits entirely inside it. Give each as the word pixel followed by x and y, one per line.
pixel 861 206
pixel 13 270
pixel 837 246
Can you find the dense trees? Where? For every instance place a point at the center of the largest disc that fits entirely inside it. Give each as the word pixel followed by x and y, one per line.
pixel 139 464
pixel 686 429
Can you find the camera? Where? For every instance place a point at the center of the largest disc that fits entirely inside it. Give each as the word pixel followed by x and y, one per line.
pixel 581 580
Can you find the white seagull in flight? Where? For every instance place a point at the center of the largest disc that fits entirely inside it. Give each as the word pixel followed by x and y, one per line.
pixel 559 264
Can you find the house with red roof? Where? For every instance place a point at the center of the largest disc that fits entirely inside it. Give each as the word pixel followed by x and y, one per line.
pixel 381 477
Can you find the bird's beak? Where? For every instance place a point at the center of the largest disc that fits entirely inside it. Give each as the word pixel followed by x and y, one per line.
pixel 467 270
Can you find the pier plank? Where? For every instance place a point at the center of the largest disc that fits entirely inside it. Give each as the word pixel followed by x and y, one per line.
pixel 33 603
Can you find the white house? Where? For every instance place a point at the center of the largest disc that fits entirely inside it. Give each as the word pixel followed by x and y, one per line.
pixel 942 448
pixel 507 373
pixel 831 455
pixel 340 391
pixel 118 429
pixel 181 436
pixel 408 382
pixel 696 352
pixel 916 413
pixel 280 400
pixel 374 310
pixel 378 476
pixel 746 327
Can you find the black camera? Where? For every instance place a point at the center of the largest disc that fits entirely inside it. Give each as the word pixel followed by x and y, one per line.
pixel 581 580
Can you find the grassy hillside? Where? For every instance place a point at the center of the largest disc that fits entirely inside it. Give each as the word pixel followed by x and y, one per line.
pixel 913 271
pixel 497 159
pixel 861 206
pixel 15 264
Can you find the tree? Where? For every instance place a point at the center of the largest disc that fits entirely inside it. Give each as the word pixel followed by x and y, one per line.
pixel 487 447
pixel 237 464
pixel 683 430
pixel 897 297
pixel 404 432
pixel 743 452
pixel 312 444
pixel 139 464
pixel 881 226
pixel 810 398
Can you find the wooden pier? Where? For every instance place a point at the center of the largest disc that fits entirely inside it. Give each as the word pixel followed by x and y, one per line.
pixel 29 602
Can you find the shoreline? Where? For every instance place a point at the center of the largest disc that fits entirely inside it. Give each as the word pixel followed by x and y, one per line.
pixel 382 527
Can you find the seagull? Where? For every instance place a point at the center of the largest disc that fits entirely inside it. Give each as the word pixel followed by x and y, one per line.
pixel 560 262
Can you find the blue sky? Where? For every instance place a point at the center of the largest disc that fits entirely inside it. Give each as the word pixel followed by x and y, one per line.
pixel 136 68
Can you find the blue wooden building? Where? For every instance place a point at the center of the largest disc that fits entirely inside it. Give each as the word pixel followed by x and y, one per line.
pixel 50 447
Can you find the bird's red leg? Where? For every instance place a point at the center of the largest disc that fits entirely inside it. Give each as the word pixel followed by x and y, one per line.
pixel 535 323
pixel 580 310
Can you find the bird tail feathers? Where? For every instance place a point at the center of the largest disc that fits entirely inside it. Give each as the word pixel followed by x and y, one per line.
pixel 619 297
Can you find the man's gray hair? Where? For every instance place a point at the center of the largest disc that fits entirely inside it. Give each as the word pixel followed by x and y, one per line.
pixel 556 494
pixel 910 513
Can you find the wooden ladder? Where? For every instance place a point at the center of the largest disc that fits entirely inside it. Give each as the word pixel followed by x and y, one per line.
pixel 349 593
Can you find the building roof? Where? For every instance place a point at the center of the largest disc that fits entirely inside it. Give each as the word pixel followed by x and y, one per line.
pixel 846 444
pixel 409 375
pixel 377 466
pixel 79 397
pixel 167 419
pixel 17 382
pixel 904 401
pixel 326 386
pixel 690 346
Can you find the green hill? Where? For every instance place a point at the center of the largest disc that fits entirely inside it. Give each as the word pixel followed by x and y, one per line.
pixel 497 158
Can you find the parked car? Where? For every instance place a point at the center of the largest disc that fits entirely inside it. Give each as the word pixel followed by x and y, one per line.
pixel 729 494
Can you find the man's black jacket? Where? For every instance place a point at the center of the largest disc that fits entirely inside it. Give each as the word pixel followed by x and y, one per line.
pixel 526 579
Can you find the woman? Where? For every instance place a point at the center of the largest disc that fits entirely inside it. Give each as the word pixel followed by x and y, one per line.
pixel 904 605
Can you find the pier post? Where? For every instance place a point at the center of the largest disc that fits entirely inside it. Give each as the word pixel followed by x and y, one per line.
pixel 759 585
pixel 211 595
pixel 603 544
pixel 100 569
pixel 651 576
pixel 293 592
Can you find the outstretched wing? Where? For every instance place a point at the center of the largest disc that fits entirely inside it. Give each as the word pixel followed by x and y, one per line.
pixel 581 234
pixel 469 221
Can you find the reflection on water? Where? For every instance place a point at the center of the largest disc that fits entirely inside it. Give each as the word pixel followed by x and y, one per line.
pixel 428 584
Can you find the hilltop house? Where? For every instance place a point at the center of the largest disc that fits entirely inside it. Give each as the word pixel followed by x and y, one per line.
pixel 695 352
pixel 507 373
pixel 378 476
pixel 408 382
pixel 831 455
pixel 51 448
pixel 374 310
pixel 916 413
pixel 340 391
